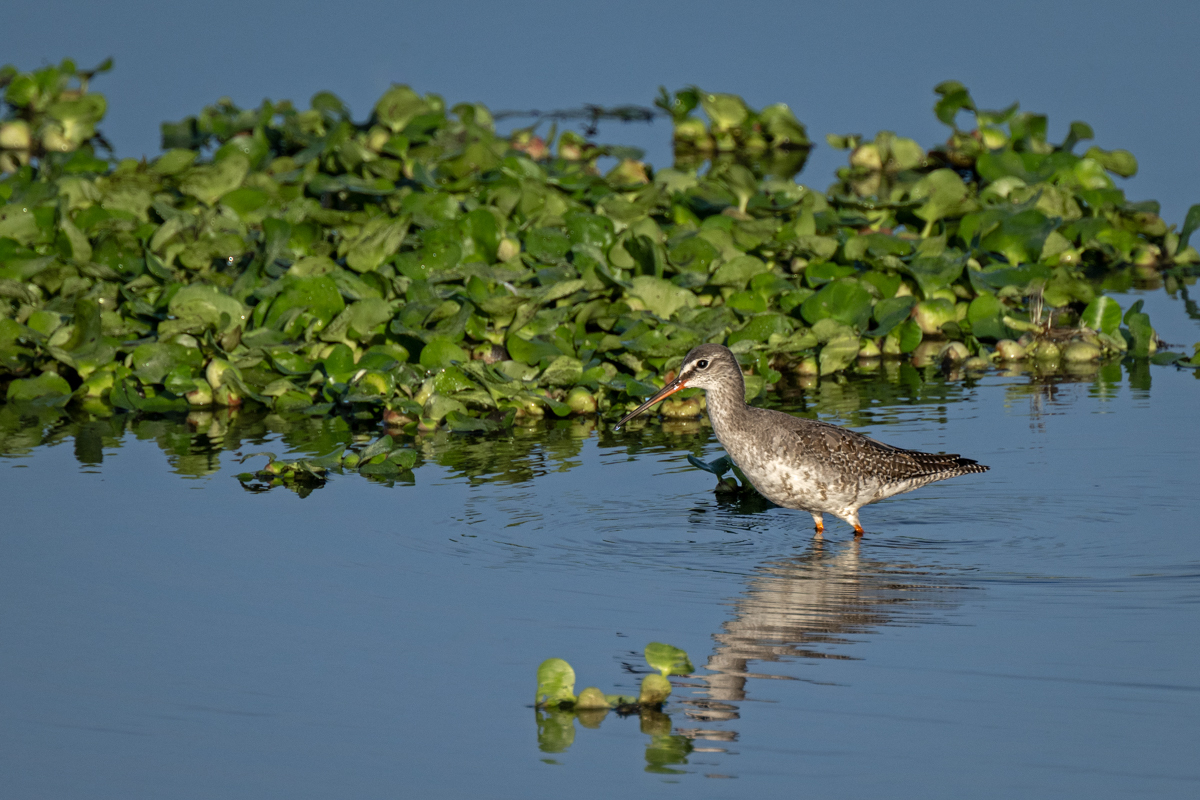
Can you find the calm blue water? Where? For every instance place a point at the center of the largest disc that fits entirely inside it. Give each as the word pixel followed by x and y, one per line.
pixel 1026 632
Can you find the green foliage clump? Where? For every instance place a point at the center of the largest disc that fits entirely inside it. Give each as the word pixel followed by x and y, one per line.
pixel 556 682
pixel 382 459
pixel 421 267
pixel 558 707
pixel 51 117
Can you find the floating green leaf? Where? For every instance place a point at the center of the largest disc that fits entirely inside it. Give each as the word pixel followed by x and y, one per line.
pixel 890 313
pixel 941 192
pixel 378 240
pixel 837 354
pixel 738 271
pixel 207 183
pixel 315 298
pixel 909 336
pixel 655 690
pixel 844 301
pixel 660 296
pixel 667 659
pixel 1143 336
pixel 761 328
pixel 1190 223
pixel 986 315
pixel 208 305
pixel 46 387
pixel 399 106
pixel 556 683
pixel 590 698
pixel 1102 314
pixel 531 351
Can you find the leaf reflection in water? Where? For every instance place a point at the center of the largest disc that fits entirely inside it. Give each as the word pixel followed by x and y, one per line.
pixel 666 750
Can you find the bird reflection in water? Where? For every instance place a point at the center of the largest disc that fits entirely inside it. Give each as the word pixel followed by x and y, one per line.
pixel 808 607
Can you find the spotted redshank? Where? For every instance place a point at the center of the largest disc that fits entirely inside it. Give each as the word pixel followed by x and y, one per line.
pixel 801 463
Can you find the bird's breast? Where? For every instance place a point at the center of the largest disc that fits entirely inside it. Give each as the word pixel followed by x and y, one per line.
pixel 782 479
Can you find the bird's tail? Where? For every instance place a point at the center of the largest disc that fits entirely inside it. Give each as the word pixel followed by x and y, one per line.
pixel 937 463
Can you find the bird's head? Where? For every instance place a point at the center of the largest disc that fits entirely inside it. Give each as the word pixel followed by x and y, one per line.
pixel 705 367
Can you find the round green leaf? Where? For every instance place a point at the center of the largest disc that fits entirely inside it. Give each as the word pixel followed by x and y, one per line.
pixel 590 229
pixel 563 371
pixel 845 301
pixel 556 683
pixel 208 304
pixel 547 244
pixel 724 110
pixel 530 351
pixel 316 296
pixel 986 315
pixel 209 182
pixel 661 297
pixel 482 230
pixel 398 106
pixel 655 690
pixel 942 190
pixel 340 362
pixel 838 354
pixel 442 352
pixel 760 328
pixel 591 698
pixel 737 272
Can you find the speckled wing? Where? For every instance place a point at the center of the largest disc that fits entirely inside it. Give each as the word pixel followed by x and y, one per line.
pixel 853 453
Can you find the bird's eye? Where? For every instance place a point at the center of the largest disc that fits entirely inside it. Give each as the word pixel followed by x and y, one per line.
pixel 702 363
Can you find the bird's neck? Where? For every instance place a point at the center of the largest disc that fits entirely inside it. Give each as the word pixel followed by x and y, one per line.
pixel 725 402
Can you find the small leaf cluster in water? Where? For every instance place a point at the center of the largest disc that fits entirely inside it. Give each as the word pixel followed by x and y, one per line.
pixel 419 267
pixel 558 707
pixel 381 459
pixel 556 683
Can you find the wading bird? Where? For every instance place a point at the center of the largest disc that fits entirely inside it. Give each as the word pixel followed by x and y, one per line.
pixel 801 463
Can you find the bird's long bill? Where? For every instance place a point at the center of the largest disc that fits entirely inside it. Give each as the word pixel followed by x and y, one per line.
pixel 668 390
